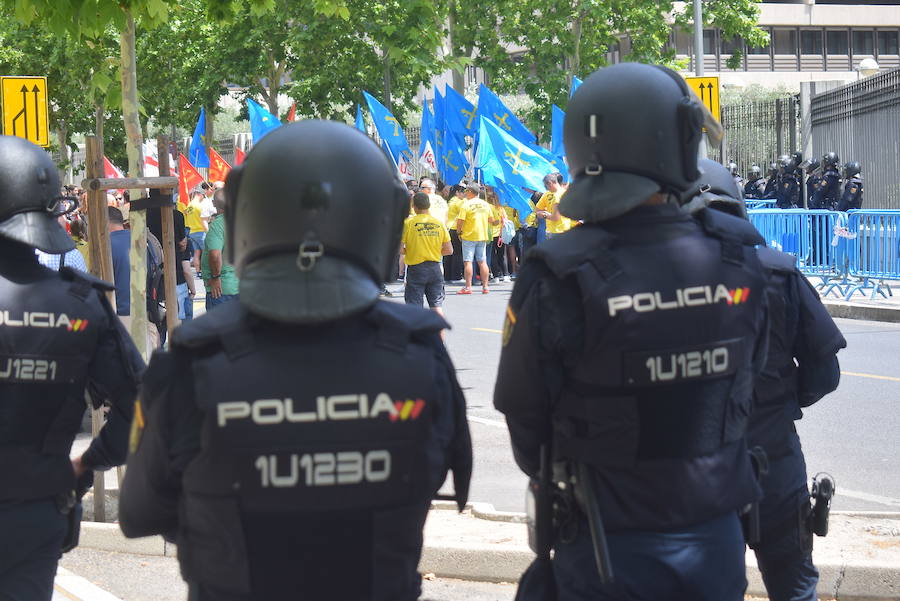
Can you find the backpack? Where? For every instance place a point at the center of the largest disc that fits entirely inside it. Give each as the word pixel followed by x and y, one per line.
pixel 156 288
pixel 508 230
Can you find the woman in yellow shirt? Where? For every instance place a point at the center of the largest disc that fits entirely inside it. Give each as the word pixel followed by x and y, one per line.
pixel 496 249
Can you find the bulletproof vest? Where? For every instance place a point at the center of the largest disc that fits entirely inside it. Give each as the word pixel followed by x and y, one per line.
pixel 788 191
pixel 775 405
pixel 812 184
pixel 50 324
pixel 660 391
pixel 318 458
pixel 830 189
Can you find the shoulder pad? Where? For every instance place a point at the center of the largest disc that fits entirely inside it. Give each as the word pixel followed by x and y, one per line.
pixel 727 227
pixel 208 328
pixel 563 254
pixel 71 274
pixel 408 317
pixel 776 260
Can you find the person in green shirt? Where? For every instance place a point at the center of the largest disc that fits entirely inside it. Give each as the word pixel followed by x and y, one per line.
pixel 218 276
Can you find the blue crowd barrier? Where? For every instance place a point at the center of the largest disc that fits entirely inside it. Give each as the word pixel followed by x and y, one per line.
pixel 851 252
pixel 759 203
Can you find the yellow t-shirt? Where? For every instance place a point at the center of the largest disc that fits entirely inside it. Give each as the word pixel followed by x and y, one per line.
pixel 548 202
pixel 453 211
pixel 496 214
pixel 192 218
pixel 476 215
pixel 423 236
pixel 438 208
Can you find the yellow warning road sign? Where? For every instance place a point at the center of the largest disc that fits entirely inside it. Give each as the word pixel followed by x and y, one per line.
pixel 707 90
pixel 25 112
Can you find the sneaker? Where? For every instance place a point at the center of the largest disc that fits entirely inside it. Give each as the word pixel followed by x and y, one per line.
pixel 464 291
pixel 485 291
pixel 502 278
pixel 512 277
pixel 386 292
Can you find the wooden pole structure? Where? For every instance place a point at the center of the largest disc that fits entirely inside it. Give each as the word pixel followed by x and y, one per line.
pixel 101 267
pixel 168 243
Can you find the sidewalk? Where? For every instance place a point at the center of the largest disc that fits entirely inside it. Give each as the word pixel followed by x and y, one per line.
pixel 859 559
pixel 861 305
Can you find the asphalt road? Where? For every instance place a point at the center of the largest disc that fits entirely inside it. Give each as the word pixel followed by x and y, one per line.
pixel 854 433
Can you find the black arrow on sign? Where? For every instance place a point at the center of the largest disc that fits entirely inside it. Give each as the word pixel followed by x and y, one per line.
pixel 37 113
pixel 23 114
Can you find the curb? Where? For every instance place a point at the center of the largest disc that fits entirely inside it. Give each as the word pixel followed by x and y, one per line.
pixel 71 587
pixel 847 310
pixel 496 563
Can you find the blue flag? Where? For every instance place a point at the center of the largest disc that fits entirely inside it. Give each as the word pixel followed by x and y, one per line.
pixel 426 129
pixel 555 161
pixel 261 120
pixel 460 114
pixel 521 165
pixel 491 107
pixel 452 162
pixel 198 154
pixel 389 129
pixel 438 125
pixel 575 84
pixel 360 122
pixel 556 132
pixel 517 198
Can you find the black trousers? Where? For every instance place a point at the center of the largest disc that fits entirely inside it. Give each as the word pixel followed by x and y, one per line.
pixel 453 264
pixel 32 537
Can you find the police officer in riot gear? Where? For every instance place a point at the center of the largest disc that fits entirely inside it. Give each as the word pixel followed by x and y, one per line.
pixel 801 368
pixel 59 336
pixel 771 191
pixel 788 185
pixel 756 186
pixel 852 197
pixel 633 365
pixel 813 179
pixel 829 190
pixel 293 441
pixel 736 174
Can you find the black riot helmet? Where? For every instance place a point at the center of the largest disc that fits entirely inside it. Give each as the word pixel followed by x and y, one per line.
pixel 773 169
pixel 314 218
pixel 811 166
pixel 850 169
pixel 830 160
pixel 718 190
pixel 631 130
pixel 755 173
pixel 30 200
pixel 784 164
pixel 733 168
pixel 797 158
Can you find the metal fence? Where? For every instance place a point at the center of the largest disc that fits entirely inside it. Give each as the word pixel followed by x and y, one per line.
pixel 758 132
pixel 861 122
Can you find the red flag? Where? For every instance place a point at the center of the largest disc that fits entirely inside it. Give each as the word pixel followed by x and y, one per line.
pixel 112 172
pixel 188 179
pixel 238 156
pixel 292 115
pixel 218 168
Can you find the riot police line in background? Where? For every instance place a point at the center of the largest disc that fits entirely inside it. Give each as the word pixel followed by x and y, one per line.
pixel 59 338
pixel 793 181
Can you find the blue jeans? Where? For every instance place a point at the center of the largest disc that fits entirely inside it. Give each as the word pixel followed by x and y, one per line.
pixel 215 302
pixel 424 279
pixel 701 563
pixel 183 296
pixel 472 249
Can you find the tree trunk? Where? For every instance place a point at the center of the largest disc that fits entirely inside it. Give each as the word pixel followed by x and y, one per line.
pixel 459 83
pixel 138 219
pixel 99 119
pixel 210 128
pixel 61 135
pixel 575 59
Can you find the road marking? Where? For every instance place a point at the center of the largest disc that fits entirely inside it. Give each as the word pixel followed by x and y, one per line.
pixel 872 376
pixel 488 330
pixel 864 496
pixel 487 422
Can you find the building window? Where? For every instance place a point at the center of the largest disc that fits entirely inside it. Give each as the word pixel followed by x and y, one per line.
pixel 733 46
pixel 888 42
pixel 761 49
pixel 863 42
pixel 837 42
pixel 811 41
pixel 784 41
pixel 683 43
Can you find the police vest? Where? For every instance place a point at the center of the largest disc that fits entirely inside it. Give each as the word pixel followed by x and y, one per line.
pixel 318 458
pixel 50 325
pixel 658 399
pixel 852 197
pixel 775 405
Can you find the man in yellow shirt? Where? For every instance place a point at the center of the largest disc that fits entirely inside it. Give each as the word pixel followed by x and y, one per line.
pixel 193 220
pixel 425 241
pixel 548 206
pixel 473 222
pixel 453 267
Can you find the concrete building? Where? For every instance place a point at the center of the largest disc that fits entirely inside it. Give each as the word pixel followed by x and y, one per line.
pixel 810 40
